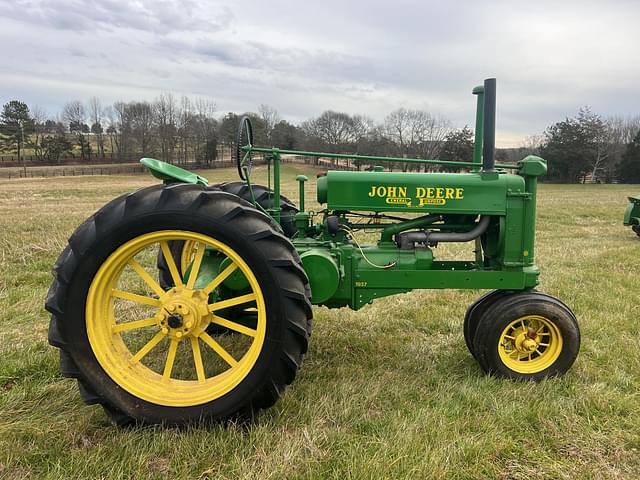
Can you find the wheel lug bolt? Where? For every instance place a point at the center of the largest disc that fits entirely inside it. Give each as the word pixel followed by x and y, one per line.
pixel 165 330
pixel 189 324
pixel 178 334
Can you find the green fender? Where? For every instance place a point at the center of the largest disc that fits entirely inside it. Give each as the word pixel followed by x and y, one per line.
pixel 170 173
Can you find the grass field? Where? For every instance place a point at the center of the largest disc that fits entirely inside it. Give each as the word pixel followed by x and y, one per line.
pixel 389 391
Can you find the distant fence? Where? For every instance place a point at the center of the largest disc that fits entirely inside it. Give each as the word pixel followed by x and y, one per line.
pixel 70 171
pixel 55 170
pixel 223 153
pixel 75 170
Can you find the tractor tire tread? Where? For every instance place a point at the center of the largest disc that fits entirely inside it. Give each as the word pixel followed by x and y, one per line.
pixel 211 203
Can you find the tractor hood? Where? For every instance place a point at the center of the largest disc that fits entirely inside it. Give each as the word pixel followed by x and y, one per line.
pixel 463 193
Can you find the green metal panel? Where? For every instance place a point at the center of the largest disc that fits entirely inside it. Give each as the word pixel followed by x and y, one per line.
pixel 462 193
pixel 323 273
pixel 632 212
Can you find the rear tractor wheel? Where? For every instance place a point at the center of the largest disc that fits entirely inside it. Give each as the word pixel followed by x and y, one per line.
pixel 146 354
pixel 526 335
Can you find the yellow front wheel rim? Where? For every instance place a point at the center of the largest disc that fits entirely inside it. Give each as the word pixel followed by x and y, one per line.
pixel 530 344
pixel 154 343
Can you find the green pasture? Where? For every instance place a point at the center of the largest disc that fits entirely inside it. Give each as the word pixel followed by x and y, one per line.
pixel 389 391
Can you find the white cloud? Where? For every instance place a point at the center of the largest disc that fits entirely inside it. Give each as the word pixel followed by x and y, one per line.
pixel 365 57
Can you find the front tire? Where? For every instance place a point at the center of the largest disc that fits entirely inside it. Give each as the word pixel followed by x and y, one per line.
pixel 528 336
pixel 475 312
pixel 146 354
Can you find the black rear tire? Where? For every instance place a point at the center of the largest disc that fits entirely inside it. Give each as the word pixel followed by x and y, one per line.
pixel 220 216
pixel 266 199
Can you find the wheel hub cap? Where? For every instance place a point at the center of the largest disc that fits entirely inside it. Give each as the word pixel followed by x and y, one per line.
pixel 183 313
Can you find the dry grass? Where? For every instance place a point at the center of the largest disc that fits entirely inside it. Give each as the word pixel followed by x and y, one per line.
pixel 386 392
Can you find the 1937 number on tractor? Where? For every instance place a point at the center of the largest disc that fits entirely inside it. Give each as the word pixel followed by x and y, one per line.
pixel 185 301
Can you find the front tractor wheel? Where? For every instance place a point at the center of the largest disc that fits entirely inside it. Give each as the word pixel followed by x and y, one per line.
pixel 527 335
pixel 475 312
pixel 149 355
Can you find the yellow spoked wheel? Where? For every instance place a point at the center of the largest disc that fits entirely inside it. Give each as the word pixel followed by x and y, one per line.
pixel 530 344
pixel 138 331
pixel 161 352
pixel 526 335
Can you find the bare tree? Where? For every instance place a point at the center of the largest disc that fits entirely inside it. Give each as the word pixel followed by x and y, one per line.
pixel 334 128
pixel 203 130
pixel 416 132
pixel 430 132
pixel 142 126
pixel 75 115
pixel 110 127
pixel 532 144
pixel 598 133
pixel 397 126
pixel 184 118
pixel 39 117
pixel 270 118
pixel 165 110
pixel 122 138
pixel 622 131
pixel 95 117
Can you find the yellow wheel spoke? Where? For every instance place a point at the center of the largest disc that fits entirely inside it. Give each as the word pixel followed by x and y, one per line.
pixel 524 327
pixel 124 327
pixel 544 333
pixel 509 337
pixel 148 347
pixel 195 266
pixel 134 297
pixel 171 358
pixel 543 344
pixel 216 347
pixel 146 277
pixel 221 277
pixel 234 326
pixel 512 352
pixel 538 352
pixel 168 257
pixel 232 302
pixel 197 359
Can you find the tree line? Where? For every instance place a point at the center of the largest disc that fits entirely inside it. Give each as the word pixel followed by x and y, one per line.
pixel 587 147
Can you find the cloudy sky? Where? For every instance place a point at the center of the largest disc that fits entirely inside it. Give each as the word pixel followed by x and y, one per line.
pixel 359 56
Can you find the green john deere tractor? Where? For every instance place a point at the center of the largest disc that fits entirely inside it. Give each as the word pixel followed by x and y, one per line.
pixel 632 214
pixel 186 301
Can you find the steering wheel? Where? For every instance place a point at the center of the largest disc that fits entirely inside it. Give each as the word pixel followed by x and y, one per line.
pixel 244 138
